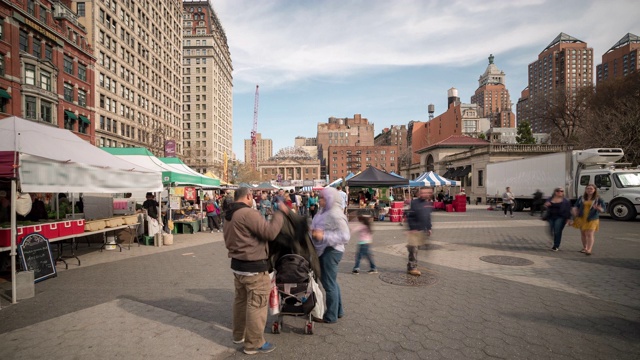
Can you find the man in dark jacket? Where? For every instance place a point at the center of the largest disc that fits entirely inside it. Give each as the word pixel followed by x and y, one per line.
pixel 419 220
pixel 246 235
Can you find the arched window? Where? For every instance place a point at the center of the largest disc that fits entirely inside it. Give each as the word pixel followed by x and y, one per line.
pixel 429 164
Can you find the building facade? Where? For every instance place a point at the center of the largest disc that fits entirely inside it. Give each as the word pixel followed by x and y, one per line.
pixel 356 131
pixel 345 159
pixel 492 97
pixel 289 165
pixel 46 66
pixel 621 60
pixel 565 65
pixel 207 118
pixel 264 149
pixel 138 50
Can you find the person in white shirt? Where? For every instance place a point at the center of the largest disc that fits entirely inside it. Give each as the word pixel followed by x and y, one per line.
pixel 345 199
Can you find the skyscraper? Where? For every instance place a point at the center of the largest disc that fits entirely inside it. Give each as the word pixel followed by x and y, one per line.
pixel 492 97
pixel 620 60
pixel 264 148
pixel 565 65
pixel 207 88
pixel 137 90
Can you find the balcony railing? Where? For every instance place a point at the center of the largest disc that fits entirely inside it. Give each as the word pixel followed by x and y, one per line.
pixel 510 148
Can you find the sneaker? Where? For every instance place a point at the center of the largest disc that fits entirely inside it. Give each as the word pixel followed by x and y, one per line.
pixel 414 272
pixel 238 341
pixel 219 230
pixel 511 215
pixel 554 249
pixel 505 215
pixel 212 231
pixel 267 347
pixel 355 271
pixel 372 271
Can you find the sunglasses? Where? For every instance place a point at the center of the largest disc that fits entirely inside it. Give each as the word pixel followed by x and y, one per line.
pixel 560 191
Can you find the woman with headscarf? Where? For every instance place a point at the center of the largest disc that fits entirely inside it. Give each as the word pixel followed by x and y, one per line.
pixel 330 232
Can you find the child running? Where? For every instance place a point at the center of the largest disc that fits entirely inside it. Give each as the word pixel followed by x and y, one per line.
pixel 365 235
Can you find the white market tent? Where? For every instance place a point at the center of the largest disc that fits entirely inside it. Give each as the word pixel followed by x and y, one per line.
pixel 37 157
pixel 432 179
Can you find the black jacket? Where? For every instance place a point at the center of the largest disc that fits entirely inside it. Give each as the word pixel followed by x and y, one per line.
pixel 294 239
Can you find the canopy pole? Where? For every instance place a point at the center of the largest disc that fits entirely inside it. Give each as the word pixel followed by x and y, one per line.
pixel 14 298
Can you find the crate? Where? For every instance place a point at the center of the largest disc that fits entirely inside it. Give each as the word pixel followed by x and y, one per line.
pixel 94 225
pixel 48 230
pixel 146 240
pixel 114 222
pixel 130 220
pixel 77 226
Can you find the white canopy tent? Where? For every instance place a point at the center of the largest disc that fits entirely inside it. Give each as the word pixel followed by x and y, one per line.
pixel 432 179
pixel 37 157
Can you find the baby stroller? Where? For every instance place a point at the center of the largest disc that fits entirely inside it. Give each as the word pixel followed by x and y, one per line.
pixel 294 279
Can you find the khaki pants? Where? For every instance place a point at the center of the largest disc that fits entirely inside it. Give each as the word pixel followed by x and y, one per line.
pixel 250 309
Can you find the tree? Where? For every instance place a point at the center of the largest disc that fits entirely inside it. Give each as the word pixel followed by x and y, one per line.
pixel 613 117
pixel 244 173
pixel 563 113
pixel 525 136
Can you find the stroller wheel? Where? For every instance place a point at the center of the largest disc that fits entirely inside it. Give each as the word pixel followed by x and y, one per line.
pixel 275 328
pixel 308 328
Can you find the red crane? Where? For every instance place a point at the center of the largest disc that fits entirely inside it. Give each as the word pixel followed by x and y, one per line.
pixel 254 134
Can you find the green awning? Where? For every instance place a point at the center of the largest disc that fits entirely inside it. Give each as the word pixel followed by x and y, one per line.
pixel 4 94
pixel 85 120
pixel 71 115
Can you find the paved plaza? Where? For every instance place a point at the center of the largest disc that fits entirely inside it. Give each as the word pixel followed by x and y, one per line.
pixel 174 302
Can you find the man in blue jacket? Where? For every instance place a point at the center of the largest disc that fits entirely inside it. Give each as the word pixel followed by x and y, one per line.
pixel 419 220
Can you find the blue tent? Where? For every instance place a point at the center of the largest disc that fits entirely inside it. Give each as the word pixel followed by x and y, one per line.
pixel 412 183
pixel 432 179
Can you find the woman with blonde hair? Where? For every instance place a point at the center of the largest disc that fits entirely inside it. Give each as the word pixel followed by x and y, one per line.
pixel 586 212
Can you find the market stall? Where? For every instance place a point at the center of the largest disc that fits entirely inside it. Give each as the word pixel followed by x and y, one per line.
pixel 38 158
pixel 373 178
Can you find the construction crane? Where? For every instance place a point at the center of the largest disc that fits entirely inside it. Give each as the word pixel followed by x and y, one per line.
pixel 254 134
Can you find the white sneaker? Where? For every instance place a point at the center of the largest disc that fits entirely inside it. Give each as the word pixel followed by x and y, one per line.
pixel 212 231
pixel 511 215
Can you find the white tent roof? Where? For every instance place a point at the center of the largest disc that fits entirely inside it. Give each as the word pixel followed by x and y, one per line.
pixel 432 179
pixel 56 160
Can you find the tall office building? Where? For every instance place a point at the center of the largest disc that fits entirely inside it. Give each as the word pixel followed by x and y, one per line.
pixel 137 90
pixel 264 148
pixel 46 66
pixel 492 97
pixel 566 64
pixel 207 88
pixel 621 60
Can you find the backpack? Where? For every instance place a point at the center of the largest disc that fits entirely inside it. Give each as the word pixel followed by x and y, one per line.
pixel 210 208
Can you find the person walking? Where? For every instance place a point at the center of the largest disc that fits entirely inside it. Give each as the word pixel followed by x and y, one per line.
pixel 246 236
pixel 364 228
pixel 266 208
pixel 536 204
pixel 586 212
pixel 507 202
pixel 213 210
pixel 419 220
pixel 330 233
pixel 345 199
pixel 558 215
pixel 313 204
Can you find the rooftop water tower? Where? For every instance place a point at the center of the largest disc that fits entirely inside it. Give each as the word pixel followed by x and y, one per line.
pixel 452 97
pixel 432 109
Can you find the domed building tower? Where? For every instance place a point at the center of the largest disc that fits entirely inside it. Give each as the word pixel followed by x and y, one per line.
pixel 492 97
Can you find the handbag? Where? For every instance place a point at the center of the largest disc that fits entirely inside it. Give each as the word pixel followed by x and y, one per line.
pixel 545 215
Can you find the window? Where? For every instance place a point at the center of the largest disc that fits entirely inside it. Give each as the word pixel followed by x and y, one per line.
pixel 45 111
pixel 48 52
pixel 37 48
pixel 24 41
pixel 68 92
pixel 45 80
pixel 31 7
pixel 1 29
pixel 602 181
pixel 81 9
pixel 30 107
pixel 82 72
pixel 1 65
pixel 43 14
pixel 30 74
pixel 82 98
pixel 584 180
pixel 68 122
pixel 68 65
pixel 480 177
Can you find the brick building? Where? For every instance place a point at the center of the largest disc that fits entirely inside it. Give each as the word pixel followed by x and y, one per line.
pixel 46 65
pixel 344 159
pixel 492 97
pixel 566 64
pixel 264 149
pixel 620 60
pixel 356 131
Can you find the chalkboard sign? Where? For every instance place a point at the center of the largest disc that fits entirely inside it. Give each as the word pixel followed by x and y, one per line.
pixel 35 254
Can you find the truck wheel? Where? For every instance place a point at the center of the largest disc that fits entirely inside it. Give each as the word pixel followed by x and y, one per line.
pixel 518 205
pixel 622 210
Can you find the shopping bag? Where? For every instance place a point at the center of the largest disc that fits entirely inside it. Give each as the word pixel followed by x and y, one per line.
pixel 416 238
pixel 274 298
pixel 318 310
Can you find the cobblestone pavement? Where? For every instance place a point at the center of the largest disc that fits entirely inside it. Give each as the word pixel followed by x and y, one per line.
pixel 174 302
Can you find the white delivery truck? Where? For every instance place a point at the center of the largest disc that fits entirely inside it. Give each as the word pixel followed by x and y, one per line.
pixel 619 186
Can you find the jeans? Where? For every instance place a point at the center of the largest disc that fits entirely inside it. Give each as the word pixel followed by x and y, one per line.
pixel 363 251
pixel 329 261
pixel 556 225
pixel 213 221
pixel 250 308
pixel 413 257
pixel 508 207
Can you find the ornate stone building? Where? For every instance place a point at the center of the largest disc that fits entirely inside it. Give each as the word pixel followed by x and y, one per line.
pixel 290 164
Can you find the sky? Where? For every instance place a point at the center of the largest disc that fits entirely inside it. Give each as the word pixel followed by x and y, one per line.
pixel 388 60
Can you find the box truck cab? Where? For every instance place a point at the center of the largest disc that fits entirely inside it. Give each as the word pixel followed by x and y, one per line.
pixel 617 185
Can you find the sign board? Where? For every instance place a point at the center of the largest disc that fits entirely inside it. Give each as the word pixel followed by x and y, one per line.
pixel 35 255
pixel 170 148
pixel 190 193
